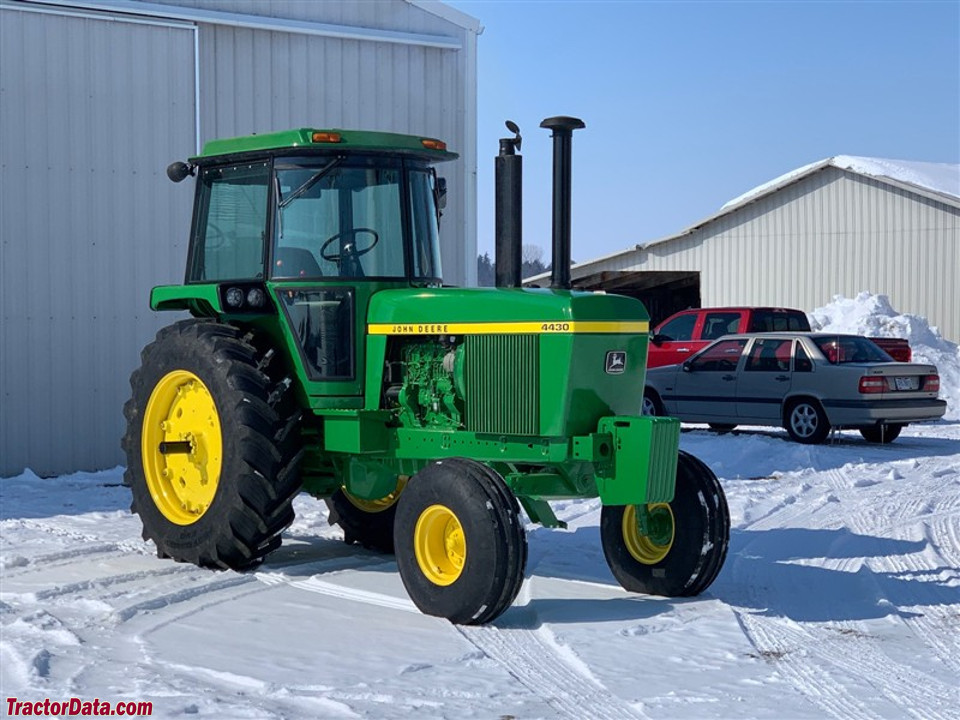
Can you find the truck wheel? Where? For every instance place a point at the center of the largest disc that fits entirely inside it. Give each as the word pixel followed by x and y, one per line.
pixel 461 548
pixel 687 543
pixel 366 522
pixel 806 422
pixel 213 468
pixel 881 433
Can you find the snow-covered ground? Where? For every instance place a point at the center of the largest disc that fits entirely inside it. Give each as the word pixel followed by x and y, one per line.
pixel 840 598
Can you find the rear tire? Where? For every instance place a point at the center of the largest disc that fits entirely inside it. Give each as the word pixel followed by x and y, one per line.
pixel 687 561
pixel 884 433
pixel 461 548
pixel 366 522
pixel 212 466
pixel 806 422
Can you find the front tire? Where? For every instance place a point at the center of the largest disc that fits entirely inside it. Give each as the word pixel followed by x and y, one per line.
pixel 806 422
pixel 461 548
pixel 212 466
pixel 688 542
pixel 884 433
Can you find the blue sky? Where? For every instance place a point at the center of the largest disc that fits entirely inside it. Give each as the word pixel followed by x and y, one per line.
pixel 690 104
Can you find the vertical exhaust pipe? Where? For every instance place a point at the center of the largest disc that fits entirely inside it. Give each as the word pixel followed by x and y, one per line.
pixel 563 128
pixel 508 174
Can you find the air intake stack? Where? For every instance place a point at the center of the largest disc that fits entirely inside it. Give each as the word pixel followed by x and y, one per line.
pixel 563 128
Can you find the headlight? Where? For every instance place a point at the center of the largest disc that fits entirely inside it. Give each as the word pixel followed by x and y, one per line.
pixel 255 298
pixel 234 297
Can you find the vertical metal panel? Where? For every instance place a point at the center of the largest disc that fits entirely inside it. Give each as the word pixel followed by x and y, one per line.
pixel 833 233
pixel 88 223
pixel 258 81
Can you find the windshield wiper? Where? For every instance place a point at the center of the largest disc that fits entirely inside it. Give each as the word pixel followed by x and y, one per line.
pixel 314 179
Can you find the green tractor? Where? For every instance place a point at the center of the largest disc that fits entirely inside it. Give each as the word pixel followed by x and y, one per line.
pixel 324 355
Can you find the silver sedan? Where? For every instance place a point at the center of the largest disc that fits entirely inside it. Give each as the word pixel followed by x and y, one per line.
pixel 807 383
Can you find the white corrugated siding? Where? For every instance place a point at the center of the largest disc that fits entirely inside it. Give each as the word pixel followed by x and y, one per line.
pixel 833 233
pixel 88 223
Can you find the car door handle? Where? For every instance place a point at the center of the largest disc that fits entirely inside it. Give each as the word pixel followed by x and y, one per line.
pixel 729 377
pixel 781 378
pixel 683 349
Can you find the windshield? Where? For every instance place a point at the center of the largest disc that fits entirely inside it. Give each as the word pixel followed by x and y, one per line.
pixel 850 349
pixel 347 218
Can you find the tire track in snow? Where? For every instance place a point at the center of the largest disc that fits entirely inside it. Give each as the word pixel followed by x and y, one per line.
pixel 808 678
pixel 941 517
pixel 533 658
pixel 858 654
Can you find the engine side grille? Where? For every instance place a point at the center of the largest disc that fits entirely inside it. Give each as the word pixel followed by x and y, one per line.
pixel 502 378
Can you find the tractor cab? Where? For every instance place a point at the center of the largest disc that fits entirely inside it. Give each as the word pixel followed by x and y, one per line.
pixel 312 223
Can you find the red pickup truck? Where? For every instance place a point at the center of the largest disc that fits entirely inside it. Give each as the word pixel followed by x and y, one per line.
pixel 684 333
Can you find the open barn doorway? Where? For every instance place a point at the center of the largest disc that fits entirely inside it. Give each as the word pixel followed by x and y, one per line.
pixel 662 292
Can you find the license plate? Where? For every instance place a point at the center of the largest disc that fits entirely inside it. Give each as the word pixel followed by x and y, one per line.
pixel 907 383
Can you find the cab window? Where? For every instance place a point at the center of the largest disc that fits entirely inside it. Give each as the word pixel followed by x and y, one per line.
pixel 231 221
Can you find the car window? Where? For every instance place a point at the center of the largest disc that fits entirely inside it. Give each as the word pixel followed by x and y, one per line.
pixel 769 355
pixel 680 328
pixel 802 361
pixel 850 349
pixel 717 324
pixel 778 321
pixel 722 356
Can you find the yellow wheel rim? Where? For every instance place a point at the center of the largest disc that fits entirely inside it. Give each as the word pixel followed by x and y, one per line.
pixel 440 545
pixel 380 504
pixel 649 549
pixel 181 447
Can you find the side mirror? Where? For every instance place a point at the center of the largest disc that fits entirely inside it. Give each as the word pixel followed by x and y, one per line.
pixel 656 339
pixel 687 366
pixel 179 170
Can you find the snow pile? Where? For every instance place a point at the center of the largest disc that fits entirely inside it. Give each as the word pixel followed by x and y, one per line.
pixel 942 178
pixel 873 316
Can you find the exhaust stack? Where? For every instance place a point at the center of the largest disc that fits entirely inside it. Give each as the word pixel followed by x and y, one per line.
pixel 508 174
pixel 563 128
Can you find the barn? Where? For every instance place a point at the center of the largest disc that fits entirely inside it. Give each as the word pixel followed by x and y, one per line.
pixel 835 227
pixel 97 97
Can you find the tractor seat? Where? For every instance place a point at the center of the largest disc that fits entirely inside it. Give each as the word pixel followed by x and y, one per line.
pixel 294 262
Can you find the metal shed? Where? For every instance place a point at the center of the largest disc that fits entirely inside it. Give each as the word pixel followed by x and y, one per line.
pixel 97 97
pixel 836 227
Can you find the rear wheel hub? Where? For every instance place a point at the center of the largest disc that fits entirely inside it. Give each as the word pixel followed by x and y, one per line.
pixel 182 447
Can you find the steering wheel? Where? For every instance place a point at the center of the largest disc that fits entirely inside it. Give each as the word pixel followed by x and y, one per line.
pixel 214 237
pixel 349 248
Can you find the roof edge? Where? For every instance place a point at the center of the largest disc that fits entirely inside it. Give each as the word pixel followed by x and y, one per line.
pixel 450 14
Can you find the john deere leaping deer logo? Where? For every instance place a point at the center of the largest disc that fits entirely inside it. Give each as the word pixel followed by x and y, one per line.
pixel 616 362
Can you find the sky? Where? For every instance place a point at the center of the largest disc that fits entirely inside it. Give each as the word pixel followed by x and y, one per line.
pixel 690 104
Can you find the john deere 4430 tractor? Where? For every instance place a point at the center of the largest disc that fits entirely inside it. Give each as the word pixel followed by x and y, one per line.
pixel 324 355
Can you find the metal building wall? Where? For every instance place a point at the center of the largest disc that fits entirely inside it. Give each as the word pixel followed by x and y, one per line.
pixel 832 233
pixel 88 222
pixel 95 104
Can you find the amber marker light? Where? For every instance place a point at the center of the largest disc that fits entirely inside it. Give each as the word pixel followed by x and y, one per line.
pixel 326 137
pixel 433 144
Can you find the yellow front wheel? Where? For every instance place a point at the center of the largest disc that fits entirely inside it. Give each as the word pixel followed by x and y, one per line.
pixel 674 549
pixel 366 522
pixel 461 548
